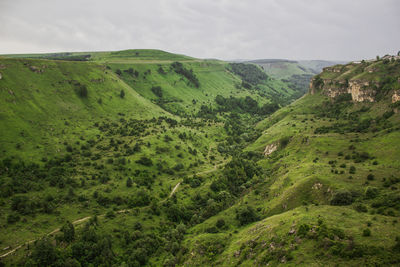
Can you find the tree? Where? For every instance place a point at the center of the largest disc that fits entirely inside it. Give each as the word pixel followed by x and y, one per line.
pixel 68 231
pixel 122 94
pixel 398 53
pixel 82 90
pixel 342 198
pixel 118 72
pixel 44 253
pixel 129 182
pixel 246 215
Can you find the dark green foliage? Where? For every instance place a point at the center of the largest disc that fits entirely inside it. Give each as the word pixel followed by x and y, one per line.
pixel 249 73
pixel 145 161
pixel 361 208
pixel 342 198
pixel 220 223
pixel 118 72
pixel 366 232
pixel 188 74
pixel 68 232
pixel 352 170
pixel 122 94
pixel 140 199
pixel 44 253
pixel 81 90
pixel 110 214
pixel 244 105
pixel 318 82
pixel 284 141
pixel 246 215
pixel 13 218
pixel 129 182
pixel 157 91
pixel 303 230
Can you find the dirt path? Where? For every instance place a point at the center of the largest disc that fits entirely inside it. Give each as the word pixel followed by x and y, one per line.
pixel 79 221
pixel 175 188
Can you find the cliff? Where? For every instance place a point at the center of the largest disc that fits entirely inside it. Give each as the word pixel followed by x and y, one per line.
pixel 365 81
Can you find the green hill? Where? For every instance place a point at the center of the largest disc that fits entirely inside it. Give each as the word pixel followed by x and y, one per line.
pixel 172 161
pixel 296 74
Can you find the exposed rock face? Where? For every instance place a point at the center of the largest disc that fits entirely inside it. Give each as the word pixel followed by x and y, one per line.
pixel 396 96
pixel 360 90
pixel 269 149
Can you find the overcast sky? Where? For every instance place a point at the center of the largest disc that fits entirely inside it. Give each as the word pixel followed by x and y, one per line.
pixel 225 29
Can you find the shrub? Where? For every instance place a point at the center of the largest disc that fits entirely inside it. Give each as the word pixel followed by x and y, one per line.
pixel 370 177
pixel 303 230
pixel 145 161
pixel 342 198
pixel 12 218
pixel 361 208
pixel 82 90
pixel 157 91
pixel 188 74
pixel 352 170
pixel 366 232
pixel 129 182
pixel 122 94
pixel 371 192
pixel 246 215
pixel 284 141
pixel 220 223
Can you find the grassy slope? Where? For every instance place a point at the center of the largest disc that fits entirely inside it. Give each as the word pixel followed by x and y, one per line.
pixel 300 175
pixel 42 114
pixel 214 76
pixel 35 107
pixel 284 70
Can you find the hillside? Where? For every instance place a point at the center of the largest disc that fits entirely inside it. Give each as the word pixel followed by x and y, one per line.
pixel 330 191
pixel 96 137
pixel 297 74
pixel 189 162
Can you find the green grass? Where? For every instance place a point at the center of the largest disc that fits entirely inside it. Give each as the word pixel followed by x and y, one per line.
pixel 44 119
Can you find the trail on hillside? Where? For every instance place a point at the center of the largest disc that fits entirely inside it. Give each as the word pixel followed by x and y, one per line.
pixel 80 221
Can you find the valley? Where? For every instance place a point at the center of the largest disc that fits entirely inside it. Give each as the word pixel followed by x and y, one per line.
pixel 148 158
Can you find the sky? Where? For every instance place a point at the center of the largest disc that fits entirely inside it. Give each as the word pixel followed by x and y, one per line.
pixel 224 29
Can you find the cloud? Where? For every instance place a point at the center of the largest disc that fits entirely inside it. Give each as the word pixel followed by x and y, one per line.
pixel 227 29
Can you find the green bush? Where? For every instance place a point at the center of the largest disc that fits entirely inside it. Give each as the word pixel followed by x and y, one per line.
pixel 366 232
pixel 342 198
pixel 246 215
pixel 157 91
pixel 371 192
pixel 352 170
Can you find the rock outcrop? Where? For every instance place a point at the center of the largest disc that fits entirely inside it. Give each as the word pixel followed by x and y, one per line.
pixel 360 90
pixel 363 81
pixel 269 149
pixel 396 96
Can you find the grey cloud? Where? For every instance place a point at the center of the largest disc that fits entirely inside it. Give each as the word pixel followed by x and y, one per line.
pixel 226 29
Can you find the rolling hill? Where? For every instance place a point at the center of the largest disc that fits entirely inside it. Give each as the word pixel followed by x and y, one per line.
pixel 146 158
